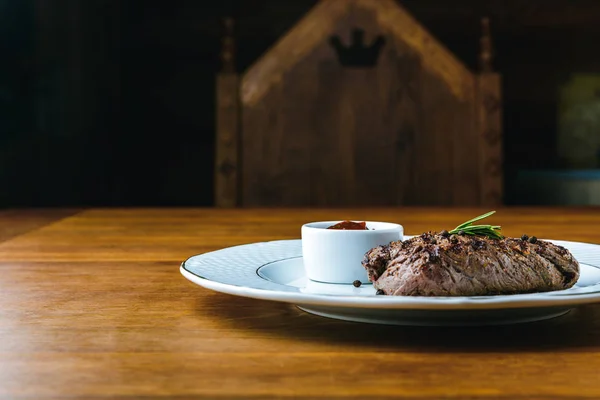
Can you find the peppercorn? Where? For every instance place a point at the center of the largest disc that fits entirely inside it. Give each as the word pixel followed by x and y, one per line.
pixel 524 237
pixel 379 292
pixel 444 233
pixel 433 241
pixel 532 239
pixel 477 244
pixel 357 283
pixel 453 239
pixel 461 233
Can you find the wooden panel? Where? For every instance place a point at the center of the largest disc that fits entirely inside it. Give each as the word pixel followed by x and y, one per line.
pixel 310 32
pixel 402 132
pixel 316 27
pixel 227 141
pixel 489 113
pixel 435 57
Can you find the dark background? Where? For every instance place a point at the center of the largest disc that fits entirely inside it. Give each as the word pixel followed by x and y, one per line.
pixel 111 102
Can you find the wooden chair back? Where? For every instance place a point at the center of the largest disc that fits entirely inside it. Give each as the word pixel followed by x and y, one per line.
pixel 358 105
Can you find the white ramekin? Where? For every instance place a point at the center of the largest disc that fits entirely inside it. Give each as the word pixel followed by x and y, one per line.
pixel 335 256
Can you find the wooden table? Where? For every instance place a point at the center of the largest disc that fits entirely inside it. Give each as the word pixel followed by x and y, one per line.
pixel 93 306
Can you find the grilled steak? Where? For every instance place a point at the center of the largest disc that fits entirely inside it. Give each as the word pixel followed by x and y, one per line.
pixel 436 265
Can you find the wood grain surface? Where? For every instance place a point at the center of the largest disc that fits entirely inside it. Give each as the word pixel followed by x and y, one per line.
pixel 93 307
pixel 18 222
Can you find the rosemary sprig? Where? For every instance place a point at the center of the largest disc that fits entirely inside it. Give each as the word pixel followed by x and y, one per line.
pixel 467 228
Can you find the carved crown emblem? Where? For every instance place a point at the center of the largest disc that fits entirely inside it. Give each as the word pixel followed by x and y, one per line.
pixel 357 54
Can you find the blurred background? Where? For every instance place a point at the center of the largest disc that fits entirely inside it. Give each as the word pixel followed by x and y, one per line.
pixel 112 102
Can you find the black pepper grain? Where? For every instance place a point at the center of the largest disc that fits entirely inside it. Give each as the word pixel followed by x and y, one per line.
pixel 532 239
pixel 433 257
pixel 357 283
pixel 444 233
pixel 524 237
pixel 433 241
pixel 379 292
pixel 561 250
pixel 477 244
pixel 453 239
pixel 461 233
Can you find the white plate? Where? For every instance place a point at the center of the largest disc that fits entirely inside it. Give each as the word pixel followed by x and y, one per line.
pixel 274 271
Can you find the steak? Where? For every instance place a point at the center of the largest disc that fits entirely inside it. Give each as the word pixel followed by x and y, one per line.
pixel 441 265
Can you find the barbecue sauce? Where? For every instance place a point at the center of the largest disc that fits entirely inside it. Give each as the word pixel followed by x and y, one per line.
pixel 350 225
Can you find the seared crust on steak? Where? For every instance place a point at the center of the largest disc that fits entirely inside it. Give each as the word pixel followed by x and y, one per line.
pixel 436 265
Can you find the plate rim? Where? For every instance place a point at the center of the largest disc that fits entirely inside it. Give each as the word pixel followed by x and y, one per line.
pixel 528 300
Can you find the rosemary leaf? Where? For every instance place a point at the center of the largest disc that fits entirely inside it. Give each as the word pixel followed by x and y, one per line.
pixel 469 222
pixel 468 228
